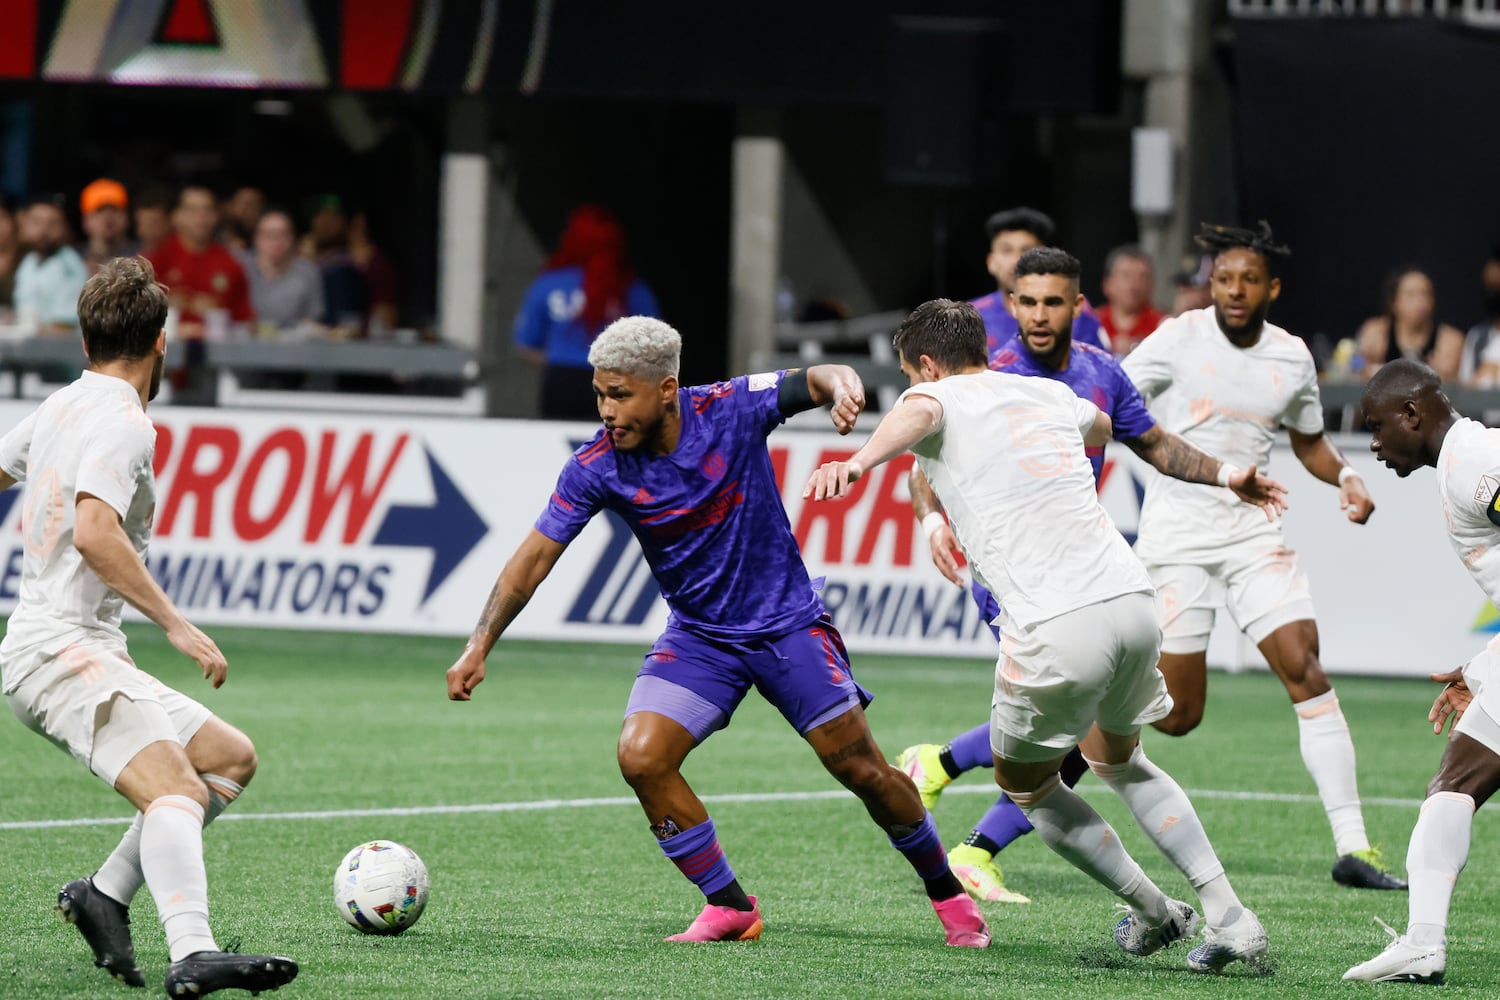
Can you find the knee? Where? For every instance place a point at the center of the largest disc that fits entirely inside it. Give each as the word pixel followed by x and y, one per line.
pixel 1304 675
pixel 640 763
pixel 867 777
pixel 190 787
pixel 240 760
pixel 1182 720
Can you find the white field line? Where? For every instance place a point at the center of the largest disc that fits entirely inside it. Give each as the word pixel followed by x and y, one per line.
pixel 539 805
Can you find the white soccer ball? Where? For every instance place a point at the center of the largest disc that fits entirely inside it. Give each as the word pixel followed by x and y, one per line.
pixel 380 887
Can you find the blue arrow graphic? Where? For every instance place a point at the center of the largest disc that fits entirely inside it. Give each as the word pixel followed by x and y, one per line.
pixel 450 527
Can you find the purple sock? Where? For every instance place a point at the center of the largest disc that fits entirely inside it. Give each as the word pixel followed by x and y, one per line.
pixel 697 854
pixel 972 749
pixel 1004 821
pixel 924 849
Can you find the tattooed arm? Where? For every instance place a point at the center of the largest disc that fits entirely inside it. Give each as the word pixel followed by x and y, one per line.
pixel 1173 456
pixel 525 571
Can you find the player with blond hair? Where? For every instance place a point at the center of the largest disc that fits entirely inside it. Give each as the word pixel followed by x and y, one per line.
pixel 688 470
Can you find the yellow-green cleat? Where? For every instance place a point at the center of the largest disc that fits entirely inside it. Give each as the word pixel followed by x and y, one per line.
pixel 980 876
pixel 1366 869
pixel 923 766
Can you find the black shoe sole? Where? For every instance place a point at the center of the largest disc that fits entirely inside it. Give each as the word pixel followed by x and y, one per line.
pixel 255 973
pixel 1363 875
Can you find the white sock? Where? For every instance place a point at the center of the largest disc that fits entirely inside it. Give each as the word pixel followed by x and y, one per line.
pixel 1437 852
pixel 221 795
pixel 172 859
pixel 1072 828
pixel 120 877
pixel 1166 816
pixel 1328 753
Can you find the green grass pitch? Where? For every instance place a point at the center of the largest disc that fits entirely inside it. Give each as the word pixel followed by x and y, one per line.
pixel 553 887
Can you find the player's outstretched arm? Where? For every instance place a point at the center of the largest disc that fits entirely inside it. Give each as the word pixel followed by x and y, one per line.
pixel 928 510
pixel 527 567
pixel 1174 456
pixel 101 540
pixel 838 387
pixel 914 418
pixel 1318 455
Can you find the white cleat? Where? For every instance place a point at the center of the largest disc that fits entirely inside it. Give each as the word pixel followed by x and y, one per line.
pixel 1244 940
pixel 1136 936
pixel 1404 962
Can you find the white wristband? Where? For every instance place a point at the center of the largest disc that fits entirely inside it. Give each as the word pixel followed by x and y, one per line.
pixel 1349 472
pixel 932 522
pixel 1225 471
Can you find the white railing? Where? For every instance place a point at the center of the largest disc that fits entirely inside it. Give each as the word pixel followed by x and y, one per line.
pixel 1481 13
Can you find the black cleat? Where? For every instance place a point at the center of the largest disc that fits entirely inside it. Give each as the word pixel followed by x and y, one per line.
pixel 1365 870
pixel 105 925
pixel 205 972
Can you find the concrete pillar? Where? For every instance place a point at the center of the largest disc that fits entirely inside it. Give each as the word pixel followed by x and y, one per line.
pixel 462 219
pixel 1166 43
pixel 757 167
pixel 515 257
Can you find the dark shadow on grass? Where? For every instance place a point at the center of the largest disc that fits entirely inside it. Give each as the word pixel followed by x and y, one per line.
pixel 1103 957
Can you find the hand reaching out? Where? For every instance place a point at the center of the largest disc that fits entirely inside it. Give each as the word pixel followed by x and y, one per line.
pixel 1452 702
pixel 1260 490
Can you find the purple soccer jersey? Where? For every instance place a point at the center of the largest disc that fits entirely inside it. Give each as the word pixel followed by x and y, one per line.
pixel 1000 327
pixel 709 516
pixel 1092 374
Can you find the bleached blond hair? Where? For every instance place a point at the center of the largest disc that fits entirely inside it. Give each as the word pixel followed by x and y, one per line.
pixel 638 345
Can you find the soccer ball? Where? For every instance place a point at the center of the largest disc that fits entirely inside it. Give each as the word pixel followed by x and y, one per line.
pixel 380 887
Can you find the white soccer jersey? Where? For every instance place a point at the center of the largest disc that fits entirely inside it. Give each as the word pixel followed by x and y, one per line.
pixel 1229 401
pixel 90 437
pixel 1468 475
pixel 1468 479
pixel 1008 463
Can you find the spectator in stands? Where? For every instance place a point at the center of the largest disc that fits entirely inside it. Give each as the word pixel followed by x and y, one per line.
pixel 345 295
pixel 1011 233
pixel 584 286
pixel 286 289
pixel 153 217
pixel 205 284
pixel 1410 328
pixel 1481 362
pixel 201 275
pixel 1128 315
pixel 383 302
pixel 52 274
pixel 1191 284
pixel 104 205
pixel 242 210
pixel 10 259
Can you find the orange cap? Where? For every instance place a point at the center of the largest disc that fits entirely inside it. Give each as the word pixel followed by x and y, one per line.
pixel 103 192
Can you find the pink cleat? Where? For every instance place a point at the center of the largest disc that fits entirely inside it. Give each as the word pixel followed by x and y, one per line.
pixel 725 923
pixel 962 924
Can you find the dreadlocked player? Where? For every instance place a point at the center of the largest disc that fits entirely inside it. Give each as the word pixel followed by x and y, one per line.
pixel 1226 380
